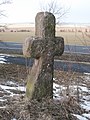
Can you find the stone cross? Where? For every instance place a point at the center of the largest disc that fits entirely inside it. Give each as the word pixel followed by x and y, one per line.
pixel 43 47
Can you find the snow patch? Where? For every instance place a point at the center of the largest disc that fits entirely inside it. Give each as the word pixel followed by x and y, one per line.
pixel 80 117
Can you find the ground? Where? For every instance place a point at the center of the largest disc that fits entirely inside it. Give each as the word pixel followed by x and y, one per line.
pixel 17 107
pixel 71 90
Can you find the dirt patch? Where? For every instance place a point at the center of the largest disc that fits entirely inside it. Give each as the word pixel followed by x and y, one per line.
pixel 13 72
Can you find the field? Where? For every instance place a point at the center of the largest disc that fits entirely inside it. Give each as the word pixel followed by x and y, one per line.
pixel 72 36
pixel 75 38
pixel 14 36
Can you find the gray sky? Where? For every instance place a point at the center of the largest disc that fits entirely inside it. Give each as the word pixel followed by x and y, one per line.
pixel 21 11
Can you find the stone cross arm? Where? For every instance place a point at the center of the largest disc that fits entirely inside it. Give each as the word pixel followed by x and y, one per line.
pixel 36 47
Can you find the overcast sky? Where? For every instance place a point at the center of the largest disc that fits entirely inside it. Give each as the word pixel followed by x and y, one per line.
pixel 21 11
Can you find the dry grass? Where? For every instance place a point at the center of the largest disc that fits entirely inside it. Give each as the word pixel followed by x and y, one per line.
pixel 21 109
pixel 15 36
pixel 71 38
pixel 76 38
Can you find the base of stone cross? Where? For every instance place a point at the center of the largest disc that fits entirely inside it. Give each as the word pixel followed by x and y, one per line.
pixel 39 82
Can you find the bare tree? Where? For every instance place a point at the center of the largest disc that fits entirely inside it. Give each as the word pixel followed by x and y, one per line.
pixel 3 2
pixel 55 8
pixel 2 14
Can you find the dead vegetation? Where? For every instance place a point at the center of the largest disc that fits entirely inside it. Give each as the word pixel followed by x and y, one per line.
pixel 13 72
pixel 47 109
pixel 20 108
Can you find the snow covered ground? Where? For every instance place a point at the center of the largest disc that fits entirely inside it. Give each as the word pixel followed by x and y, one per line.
pixel 84 96
pixel 2 59
pixel 59 91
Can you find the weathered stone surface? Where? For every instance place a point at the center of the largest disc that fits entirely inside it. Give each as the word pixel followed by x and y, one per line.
pixel 43 48
pixel 45 25
pixel 35 47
